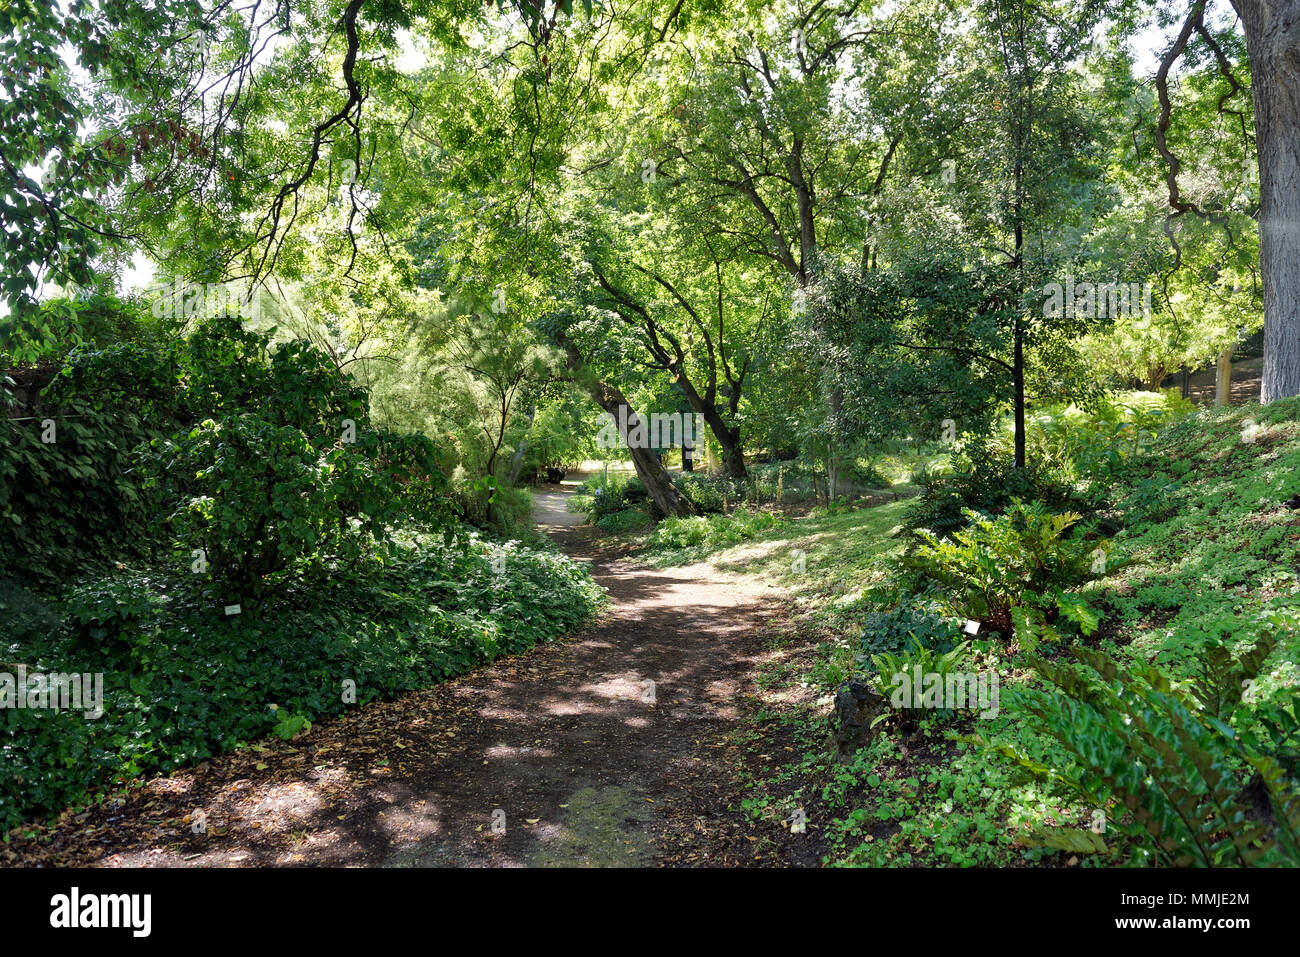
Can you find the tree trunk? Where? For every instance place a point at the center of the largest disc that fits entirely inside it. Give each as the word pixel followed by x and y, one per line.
pixel 1018 384
pixel 733 453
pixel 688 461
pixel 1223 378
pixel 733 456
pixel 649 469
pixel 1273 41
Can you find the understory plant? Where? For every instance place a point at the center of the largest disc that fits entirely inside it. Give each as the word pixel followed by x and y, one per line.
pixel 1171 765
pixel 898 677
pixel 993 563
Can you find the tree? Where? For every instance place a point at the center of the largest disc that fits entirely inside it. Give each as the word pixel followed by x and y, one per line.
pixel 1272 30
pixel 1273 38
pixel 610 398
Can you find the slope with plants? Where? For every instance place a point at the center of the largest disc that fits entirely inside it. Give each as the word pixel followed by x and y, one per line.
pixel 1144 636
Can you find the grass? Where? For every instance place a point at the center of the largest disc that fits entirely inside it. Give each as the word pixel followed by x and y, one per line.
pixel 1204 544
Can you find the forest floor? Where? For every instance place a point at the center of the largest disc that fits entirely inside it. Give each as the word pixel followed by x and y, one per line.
pixel 1247 376
pixel 617 746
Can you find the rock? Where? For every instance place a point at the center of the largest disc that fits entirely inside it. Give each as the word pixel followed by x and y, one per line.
pixel 856 706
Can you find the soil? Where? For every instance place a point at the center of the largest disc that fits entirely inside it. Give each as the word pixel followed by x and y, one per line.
pixel 1244 386
pixel 617 746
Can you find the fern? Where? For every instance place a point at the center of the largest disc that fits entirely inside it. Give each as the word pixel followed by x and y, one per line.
pixel 1165 754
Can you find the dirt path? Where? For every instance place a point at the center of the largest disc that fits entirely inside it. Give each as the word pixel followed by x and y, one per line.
pixel 606 749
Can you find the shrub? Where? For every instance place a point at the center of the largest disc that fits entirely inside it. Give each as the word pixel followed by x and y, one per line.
pixel 1092 445
pixel 264 505
pixel 987 486
pixel 712 531
pixel 1161 761
pixel 892 630
pixel 792 481
pixel 182 682
pixel 627 520
pixel 708 493
pixel 994 563
pixel 58 326
pixel 287 478
pixel 579 503
pixel 72 505
pixel 891 669
pixel 608 494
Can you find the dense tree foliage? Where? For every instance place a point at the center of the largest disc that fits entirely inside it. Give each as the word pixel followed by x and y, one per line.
pixel 407 257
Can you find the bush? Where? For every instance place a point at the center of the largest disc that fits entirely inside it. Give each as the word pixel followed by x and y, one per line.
pixel 992 565
pixel 59 326
pixel 183 682
pixel 894 670
pixel 1161 763
pixel 72 505
pixel 262 504
pixel 579 503
pixel 627 520
pixel 708 493
pixel 607 494
pixel 891 631
pixel 1074 444
pixel 987 487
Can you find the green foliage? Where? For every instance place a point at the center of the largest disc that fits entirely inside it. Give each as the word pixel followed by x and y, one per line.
pixel 627 520
pixel 183 682
pixel 266 506
pixel 288 479
pixel 988 486
pixel 1164 758
pixel 796 480
pixel 290 725
pixel 73 504
pixel 710 493
pixel 894 670
pixel 609 494
pixel 1072 444
pixel 991 565
pixel 54 328
pixel 909 622
pixel 873 317
pixel 711 531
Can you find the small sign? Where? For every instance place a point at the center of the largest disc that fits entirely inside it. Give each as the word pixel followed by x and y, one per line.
pixel 971 627
pixel 232 609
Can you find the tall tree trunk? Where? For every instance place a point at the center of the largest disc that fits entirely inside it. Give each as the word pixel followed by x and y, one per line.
pixel 1223 377
pixel 733 457
pixel 728 436
pixel 649 469
pixel 1273 40
pixel 1018 383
